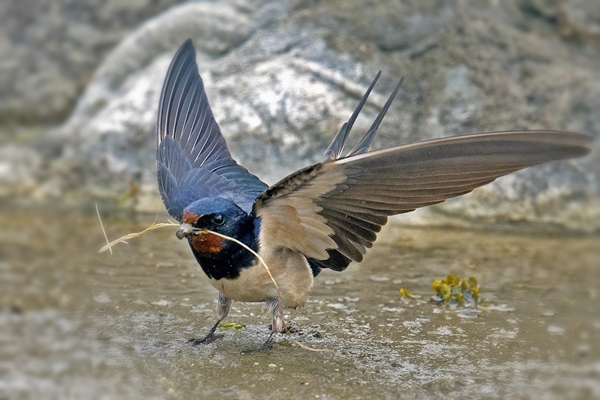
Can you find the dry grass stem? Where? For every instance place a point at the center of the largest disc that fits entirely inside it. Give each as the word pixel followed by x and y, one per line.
pixel 103 230
pixel 123 239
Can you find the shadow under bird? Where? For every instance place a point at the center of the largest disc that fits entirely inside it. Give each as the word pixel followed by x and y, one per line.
pixel 323 216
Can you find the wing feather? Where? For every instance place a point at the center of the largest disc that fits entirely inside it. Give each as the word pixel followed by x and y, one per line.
pixel 355 195
pixel 336 147
pixel 192 157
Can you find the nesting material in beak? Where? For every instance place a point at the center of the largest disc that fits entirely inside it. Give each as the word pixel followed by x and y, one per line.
pixel 185 230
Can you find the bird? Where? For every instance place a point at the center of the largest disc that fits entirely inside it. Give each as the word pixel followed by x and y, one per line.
pixel 324 216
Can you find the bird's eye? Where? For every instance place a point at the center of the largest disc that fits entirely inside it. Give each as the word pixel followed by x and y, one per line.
pixel 218 219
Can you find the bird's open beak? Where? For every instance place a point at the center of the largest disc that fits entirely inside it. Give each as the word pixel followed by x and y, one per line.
pixel 185 230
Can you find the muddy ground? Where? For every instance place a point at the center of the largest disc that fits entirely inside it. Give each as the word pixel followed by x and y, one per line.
pixel 76 324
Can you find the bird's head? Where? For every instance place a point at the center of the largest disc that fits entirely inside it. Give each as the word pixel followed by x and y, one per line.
pixel 212 214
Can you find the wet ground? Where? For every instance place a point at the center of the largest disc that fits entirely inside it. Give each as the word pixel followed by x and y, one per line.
pixel 75 324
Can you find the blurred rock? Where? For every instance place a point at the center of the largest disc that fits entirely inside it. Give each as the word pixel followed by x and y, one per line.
pixel 282 77
pixel 50 48
pixel 580 20
pixel 17 167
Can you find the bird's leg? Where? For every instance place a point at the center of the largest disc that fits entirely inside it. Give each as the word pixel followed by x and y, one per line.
pixel 223 306
pixel 277 326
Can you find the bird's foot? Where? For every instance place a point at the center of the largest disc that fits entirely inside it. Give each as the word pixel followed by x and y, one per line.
pixel 268 345
pixel 287 329
pixel 211 337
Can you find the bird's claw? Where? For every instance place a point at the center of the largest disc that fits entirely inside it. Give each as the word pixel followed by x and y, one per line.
pixel 211 337
pixel 262 348
pixel 268 345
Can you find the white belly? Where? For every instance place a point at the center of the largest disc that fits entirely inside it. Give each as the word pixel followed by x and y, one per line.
pixel 289 269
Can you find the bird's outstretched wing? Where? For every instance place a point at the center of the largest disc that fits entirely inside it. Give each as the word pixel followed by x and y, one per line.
pixel 192 157
pixel 331 212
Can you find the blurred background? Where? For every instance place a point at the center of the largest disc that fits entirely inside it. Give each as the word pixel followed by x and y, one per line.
pixel 79 88
pixel 80 83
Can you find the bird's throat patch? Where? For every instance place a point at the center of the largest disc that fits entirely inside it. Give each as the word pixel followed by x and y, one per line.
pixel 206 243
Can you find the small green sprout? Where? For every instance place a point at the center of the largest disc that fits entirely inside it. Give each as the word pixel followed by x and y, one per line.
pixel 228 325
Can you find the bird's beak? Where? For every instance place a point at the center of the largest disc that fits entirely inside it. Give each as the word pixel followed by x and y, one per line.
pixel 184 231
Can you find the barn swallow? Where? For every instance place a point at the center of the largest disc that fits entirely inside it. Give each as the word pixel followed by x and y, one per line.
pixel 323 216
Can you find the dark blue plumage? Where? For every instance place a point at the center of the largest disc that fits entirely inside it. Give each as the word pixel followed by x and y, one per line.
pixel 192 157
